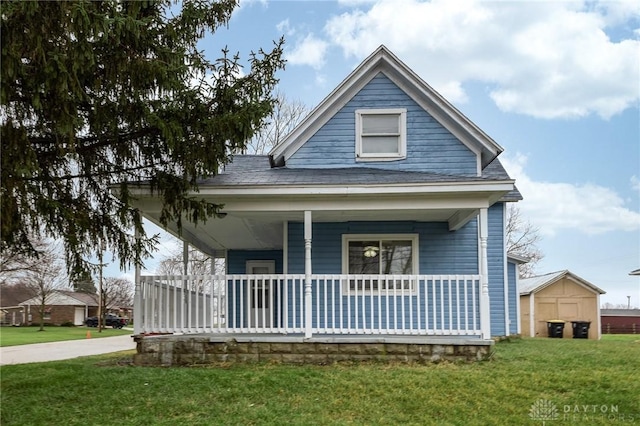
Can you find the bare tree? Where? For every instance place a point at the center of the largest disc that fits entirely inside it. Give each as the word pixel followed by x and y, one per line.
pixel 45 277
pixel 116 292
pixel 15 265
pixel 199 267
pixel 522 240
pixel 197 264
pixel 286 115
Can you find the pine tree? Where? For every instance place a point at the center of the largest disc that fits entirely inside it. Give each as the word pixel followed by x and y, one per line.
pixel 98 95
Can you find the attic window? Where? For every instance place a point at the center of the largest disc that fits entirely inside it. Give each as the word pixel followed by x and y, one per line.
pixel 381 134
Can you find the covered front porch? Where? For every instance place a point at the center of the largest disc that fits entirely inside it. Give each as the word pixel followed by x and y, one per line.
pixel 313 258
pixel 268 299
pixel 314 305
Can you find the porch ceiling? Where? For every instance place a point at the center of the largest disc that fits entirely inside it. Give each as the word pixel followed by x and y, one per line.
pixel 264 230
pixel 254 216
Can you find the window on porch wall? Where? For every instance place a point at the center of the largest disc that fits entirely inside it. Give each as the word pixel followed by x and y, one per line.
pixel 380 257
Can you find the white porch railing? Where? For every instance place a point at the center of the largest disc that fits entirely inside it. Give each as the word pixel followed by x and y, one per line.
pixel 341 304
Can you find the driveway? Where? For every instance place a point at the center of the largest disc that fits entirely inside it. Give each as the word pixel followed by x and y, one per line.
pixel 55 351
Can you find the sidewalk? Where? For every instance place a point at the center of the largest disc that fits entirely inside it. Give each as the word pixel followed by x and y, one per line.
pixel 55 351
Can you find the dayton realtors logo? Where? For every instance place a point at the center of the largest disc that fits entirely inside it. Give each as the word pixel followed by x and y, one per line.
pixel 544 410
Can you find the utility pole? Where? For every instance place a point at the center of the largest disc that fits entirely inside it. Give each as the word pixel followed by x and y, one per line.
pixel 100 253
pixel 628 302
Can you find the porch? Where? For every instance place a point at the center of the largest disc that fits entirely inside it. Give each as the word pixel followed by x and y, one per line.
pixel 317 305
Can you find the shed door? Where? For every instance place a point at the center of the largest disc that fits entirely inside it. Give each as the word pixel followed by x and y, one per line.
pixel 260 293
pixel 78 318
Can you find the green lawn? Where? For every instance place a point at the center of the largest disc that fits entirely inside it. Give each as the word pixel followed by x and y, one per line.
pixel 12 336
pixel 577 378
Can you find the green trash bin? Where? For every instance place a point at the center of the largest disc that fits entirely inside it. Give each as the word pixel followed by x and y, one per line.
pixel 555 328
pixel 580 329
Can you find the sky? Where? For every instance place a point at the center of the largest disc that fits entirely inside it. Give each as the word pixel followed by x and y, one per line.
pixel 556 84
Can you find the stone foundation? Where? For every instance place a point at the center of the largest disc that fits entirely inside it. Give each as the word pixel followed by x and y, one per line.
pixel 168 350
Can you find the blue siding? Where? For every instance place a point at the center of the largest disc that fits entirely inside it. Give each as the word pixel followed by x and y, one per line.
pixel 430 147
pixel 513 297
pixel 441 251
pixel 496 261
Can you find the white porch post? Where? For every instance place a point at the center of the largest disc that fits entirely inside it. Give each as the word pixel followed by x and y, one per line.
pixel 307 275
pixel 137 298
pixel 485 317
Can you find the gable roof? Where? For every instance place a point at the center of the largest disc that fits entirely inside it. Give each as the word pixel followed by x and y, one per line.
pixel 537 283
pixel 516 258
pixel 65 298
pixel 13 295
pixel 383 61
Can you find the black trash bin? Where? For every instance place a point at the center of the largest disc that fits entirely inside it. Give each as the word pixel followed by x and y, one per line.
pixel 580 329
pixel 555 328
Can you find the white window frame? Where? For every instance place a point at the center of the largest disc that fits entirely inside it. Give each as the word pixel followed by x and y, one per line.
pixel 415 257
pixel 402 135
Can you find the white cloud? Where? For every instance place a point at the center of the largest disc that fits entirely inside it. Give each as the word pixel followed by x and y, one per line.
pixel 635 183
pixel 553 206
pixel 308 51
pixel 285 27
pixel 544 59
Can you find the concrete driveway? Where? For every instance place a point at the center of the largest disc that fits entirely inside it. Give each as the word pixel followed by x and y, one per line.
pixel 55 351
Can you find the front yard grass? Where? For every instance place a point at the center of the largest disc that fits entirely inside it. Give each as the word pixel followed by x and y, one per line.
pixel 12 336
pixel 586 382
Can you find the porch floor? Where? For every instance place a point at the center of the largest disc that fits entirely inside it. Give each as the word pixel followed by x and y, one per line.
pixel 207 348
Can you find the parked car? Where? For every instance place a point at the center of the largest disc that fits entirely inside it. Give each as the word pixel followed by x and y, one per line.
pixel 110 320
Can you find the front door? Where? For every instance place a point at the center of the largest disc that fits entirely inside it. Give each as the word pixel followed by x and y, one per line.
pixel 260 297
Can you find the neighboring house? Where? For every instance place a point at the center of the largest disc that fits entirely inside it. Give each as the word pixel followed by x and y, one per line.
pixel 559 296
pixel 62 307
pixel 382 214
pixel 620 321
pixel 11 313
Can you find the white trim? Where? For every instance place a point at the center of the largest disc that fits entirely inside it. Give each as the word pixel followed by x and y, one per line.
pixel 532 316
pixel 518 307
pixel 415 255
pixel 285 247
pixel 505 269
pixel 485 302
pixel 598 317
pixel 137 294
pixel 355 189
pixel 269 264
pixel 284 204
pixel 308 302
pixel 401 154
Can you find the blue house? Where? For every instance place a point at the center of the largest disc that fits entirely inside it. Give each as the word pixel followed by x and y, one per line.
pixel 382 214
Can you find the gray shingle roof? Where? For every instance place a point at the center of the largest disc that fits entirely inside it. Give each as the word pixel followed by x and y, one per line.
pixel 255 170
